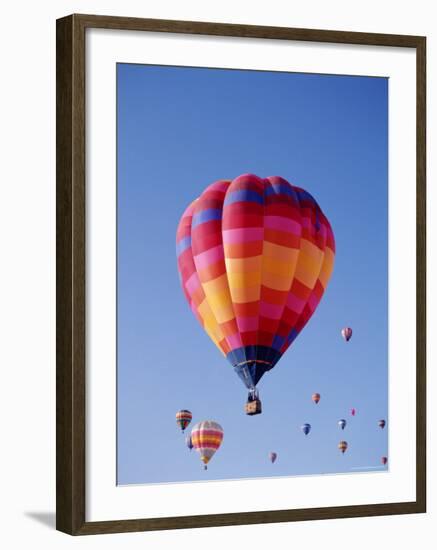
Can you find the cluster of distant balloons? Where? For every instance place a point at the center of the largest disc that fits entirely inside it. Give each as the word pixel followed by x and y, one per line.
pixel 343 445
pixel 207 436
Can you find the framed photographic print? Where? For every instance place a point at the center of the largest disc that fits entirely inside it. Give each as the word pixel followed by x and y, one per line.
pixel 240 274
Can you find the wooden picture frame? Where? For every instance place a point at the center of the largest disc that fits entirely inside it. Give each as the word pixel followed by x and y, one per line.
pixel 71 283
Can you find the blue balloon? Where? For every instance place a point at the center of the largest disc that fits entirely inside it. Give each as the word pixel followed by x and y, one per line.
pixel 188 442
pixel 306 428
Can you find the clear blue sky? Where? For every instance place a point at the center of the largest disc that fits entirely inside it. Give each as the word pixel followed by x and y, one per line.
pixel 179 129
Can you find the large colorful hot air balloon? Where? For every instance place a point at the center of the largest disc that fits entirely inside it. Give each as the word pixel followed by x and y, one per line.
pixel 381 424
pixel 206 438
pixel 342 423
pixel 342 446
pixel 188 442
pixel 384 460
pixel 346 333
pixel 273 456
pixel 306 428
pixel 183 418
pixel 316 397
pixel 254 257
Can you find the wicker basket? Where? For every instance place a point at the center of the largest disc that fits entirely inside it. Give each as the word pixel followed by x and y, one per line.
pixel 253 407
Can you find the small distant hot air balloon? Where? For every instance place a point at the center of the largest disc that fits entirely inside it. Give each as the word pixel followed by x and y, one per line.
pixel 273 456
pixel 381 424
pixel 206 438
pixel 306 428
pixel 342 423
pixel 342 446
pixel 316 397
pixel 384 460
pixel 353 411
pixel 188 442
pixel 346 333
pixel 183 418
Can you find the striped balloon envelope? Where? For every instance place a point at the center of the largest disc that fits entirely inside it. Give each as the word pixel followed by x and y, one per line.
pixel 316 398
pixel 183 418
pixel 206 438
pixel 254 257
pixel 346 333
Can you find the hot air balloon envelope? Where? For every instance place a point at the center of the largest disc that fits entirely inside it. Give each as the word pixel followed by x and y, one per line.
pixel 342 446
pixel 384 460
pixel 353 412
pixel 254 257
pixel 206 438
pixel 272 457
pixel 381 424
pixel 306 428
pixel 346 333
pixel 183 418
pixel 316 397
pixel 342 423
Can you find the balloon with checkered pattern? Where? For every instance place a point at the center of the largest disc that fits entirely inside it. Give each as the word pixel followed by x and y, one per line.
pixel 254 257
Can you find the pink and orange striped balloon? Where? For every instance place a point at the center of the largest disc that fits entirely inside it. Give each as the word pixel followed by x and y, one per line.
pixel 254 256
pixel 206 438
